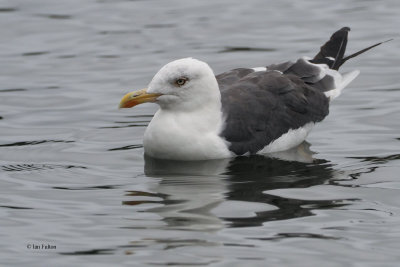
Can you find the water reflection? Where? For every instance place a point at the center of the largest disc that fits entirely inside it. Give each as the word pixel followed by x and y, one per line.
pixel 379 159
pixel 230 167
pixel 189 191
pixel 234 192
pixel 251 178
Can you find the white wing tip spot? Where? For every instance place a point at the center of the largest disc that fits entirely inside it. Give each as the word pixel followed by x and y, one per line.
pixel 259 69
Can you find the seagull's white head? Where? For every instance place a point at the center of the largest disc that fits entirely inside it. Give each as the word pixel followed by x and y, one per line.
pixel 183 84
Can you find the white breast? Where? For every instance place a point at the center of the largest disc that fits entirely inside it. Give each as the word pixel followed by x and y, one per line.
pixel 184 136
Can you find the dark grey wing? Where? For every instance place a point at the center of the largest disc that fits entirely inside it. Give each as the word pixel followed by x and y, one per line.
pixel 261 106
pixel 229 78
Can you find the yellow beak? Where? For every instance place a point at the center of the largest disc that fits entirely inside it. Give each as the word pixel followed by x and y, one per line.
pixel 138 97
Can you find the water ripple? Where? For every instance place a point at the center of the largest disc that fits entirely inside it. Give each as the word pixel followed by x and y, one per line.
pixel 36 167
pixel 30 143
pixel 230 49
pixel 89 252
pixel 15 207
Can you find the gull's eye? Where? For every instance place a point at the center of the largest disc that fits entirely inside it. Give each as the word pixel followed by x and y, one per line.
pixel 180 81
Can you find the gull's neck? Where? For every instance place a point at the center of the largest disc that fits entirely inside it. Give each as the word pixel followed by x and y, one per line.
pixel 188 132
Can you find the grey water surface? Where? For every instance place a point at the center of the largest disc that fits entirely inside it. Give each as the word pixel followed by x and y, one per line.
pixel 76 190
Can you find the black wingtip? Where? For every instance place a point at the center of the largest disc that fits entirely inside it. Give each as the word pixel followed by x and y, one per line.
pixel 332 52
pixel 362 51
pixel 345 29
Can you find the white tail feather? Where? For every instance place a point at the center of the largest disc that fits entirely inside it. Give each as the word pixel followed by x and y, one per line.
pixel 341 81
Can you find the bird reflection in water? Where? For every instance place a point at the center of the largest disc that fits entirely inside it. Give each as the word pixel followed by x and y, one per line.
pixel 214 194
